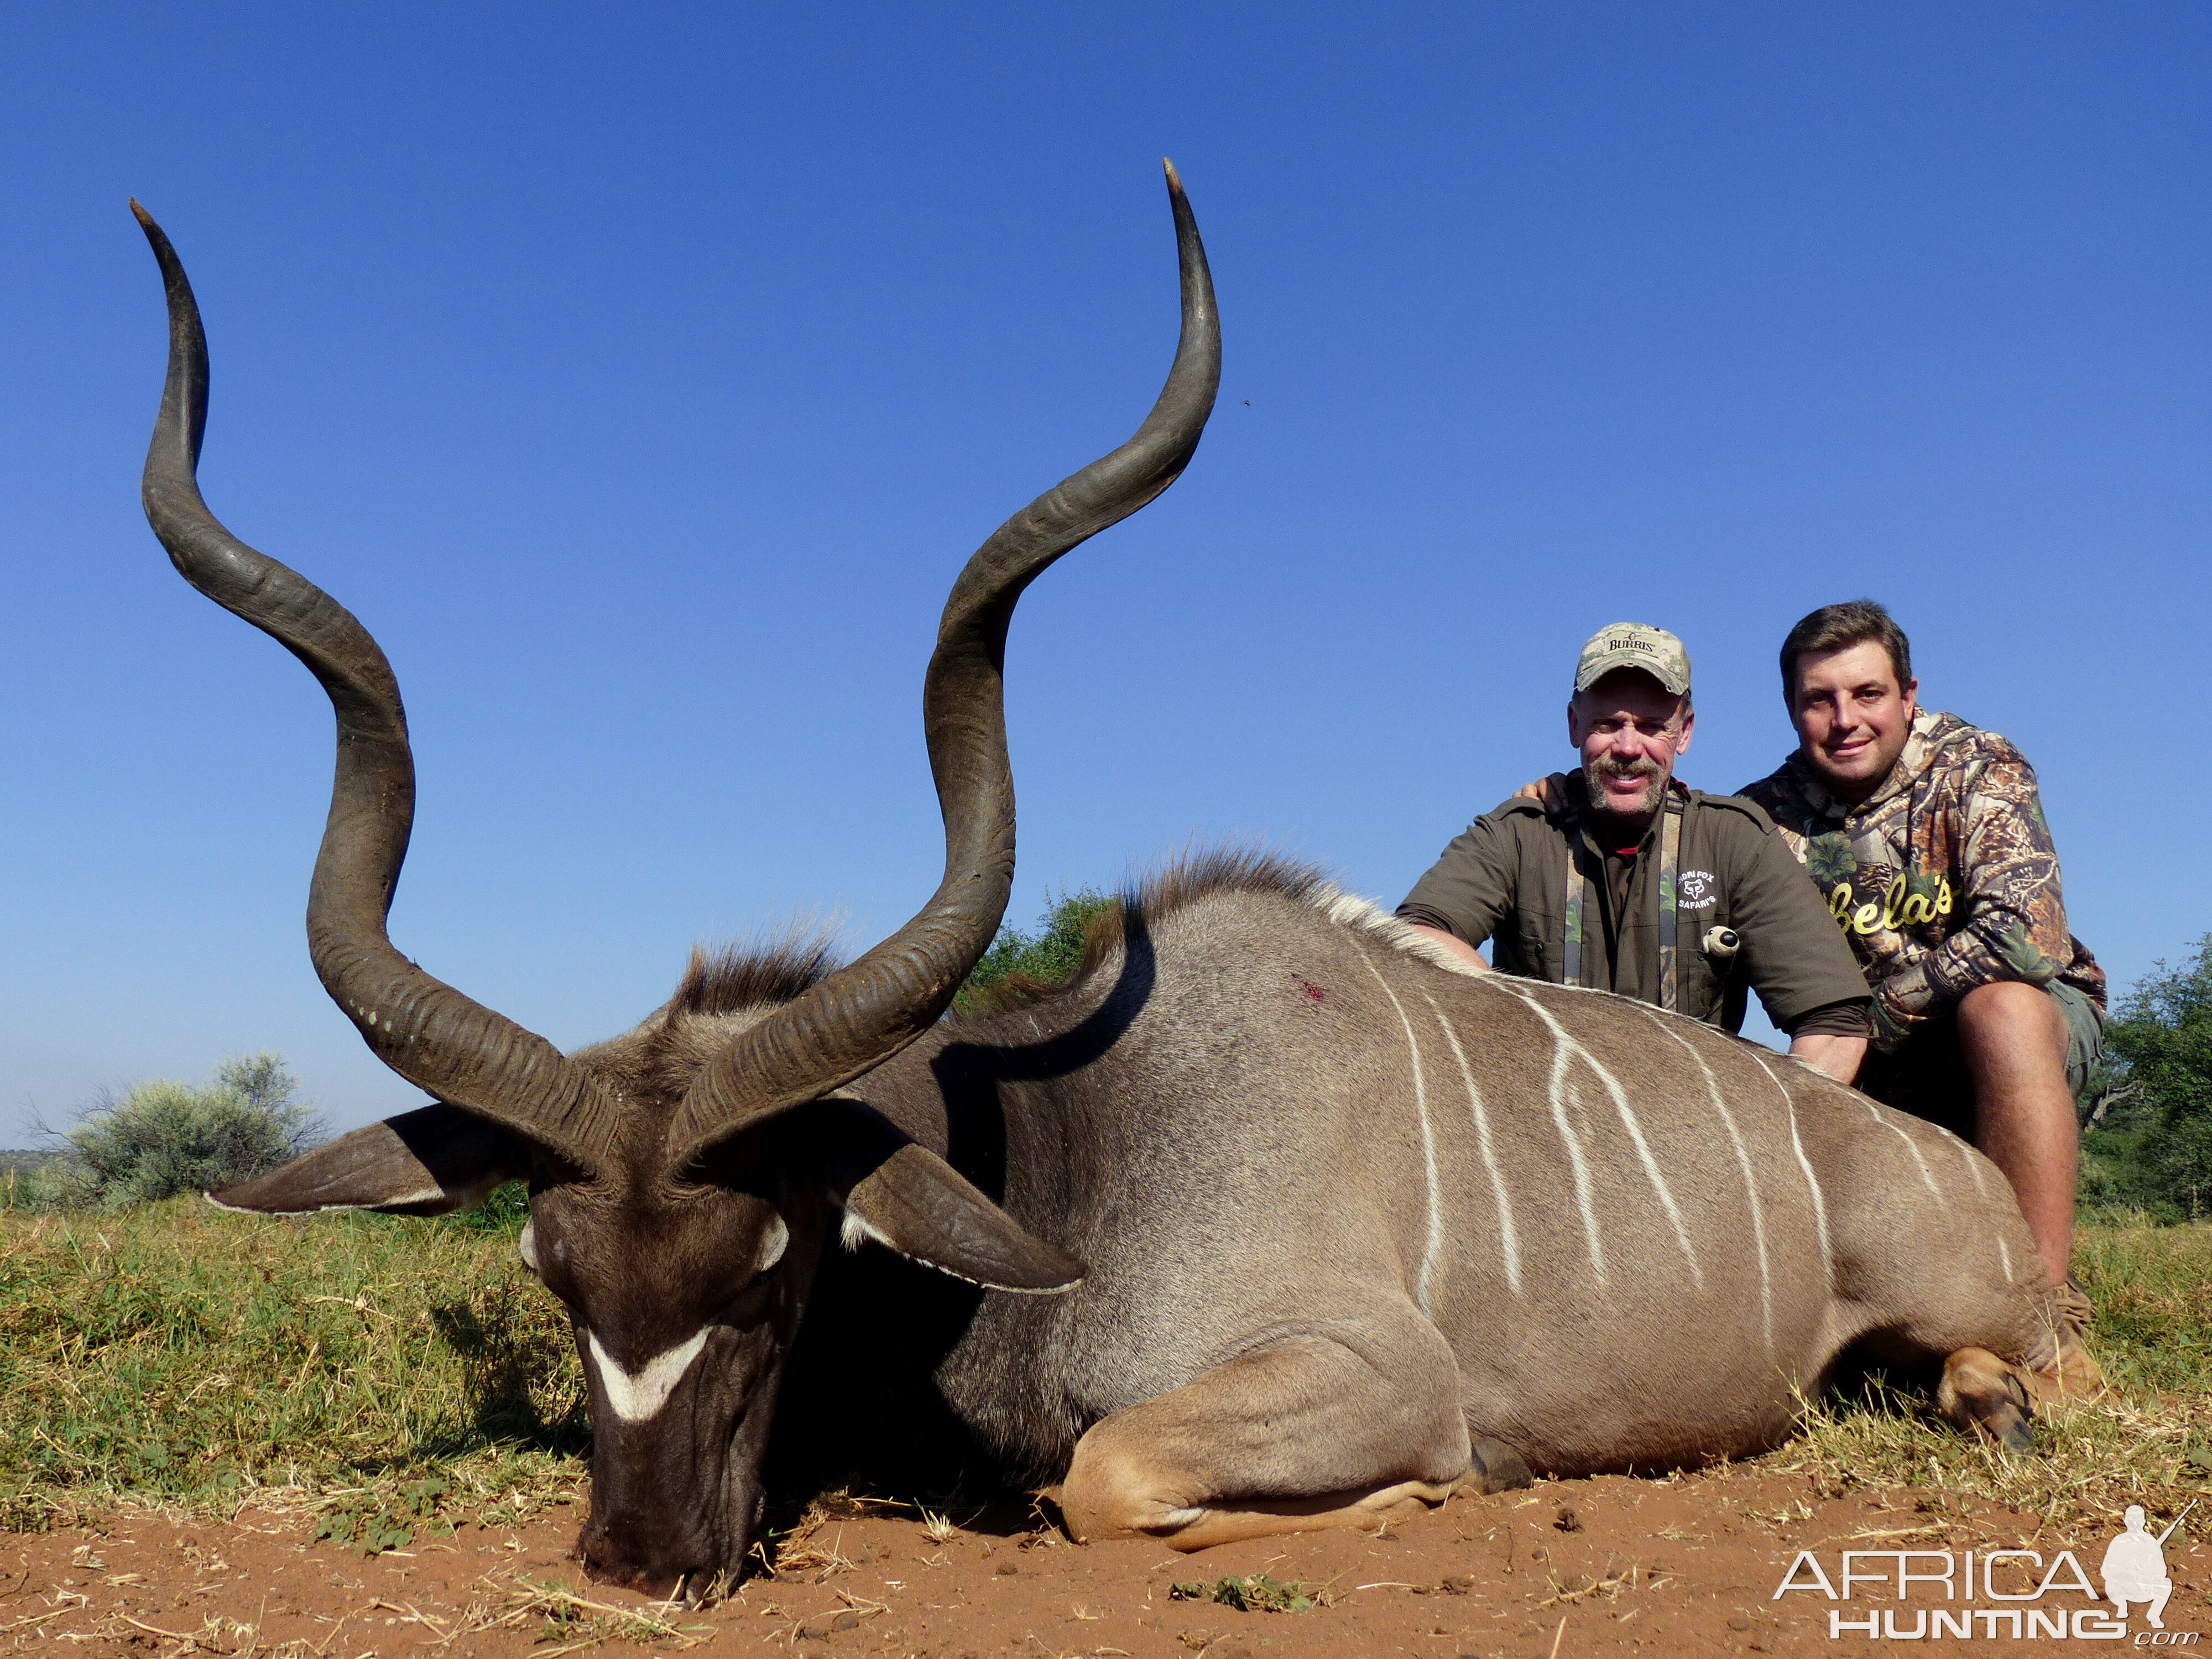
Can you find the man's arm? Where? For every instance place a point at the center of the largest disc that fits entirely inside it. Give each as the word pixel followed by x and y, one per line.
pixel 2015 911
pixel 1468 891
pixel 1839 1056
pixel 1451 942
pixel 1795 955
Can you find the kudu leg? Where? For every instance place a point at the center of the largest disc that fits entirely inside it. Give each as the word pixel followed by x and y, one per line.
pixel 1981 1393
pixel 1296 1438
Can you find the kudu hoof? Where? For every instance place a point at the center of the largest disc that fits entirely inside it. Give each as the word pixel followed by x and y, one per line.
pixel 1983 1395
pixel 1497 1467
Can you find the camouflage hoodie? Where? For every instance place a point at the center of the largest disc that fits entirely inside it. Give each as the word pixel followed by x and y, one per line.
pixel 1944 879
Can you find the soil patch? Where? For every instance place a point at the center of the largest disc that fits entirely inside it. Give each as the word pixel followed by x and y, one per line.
pixel 1611 1565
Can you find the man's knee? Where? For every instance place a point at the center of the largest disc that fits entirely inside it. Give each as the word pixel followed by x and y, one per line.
pixel 2013 1014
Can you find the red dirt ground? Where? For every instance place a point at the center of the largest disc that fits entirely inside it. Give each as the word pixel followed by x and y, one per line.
pixel 1612 1566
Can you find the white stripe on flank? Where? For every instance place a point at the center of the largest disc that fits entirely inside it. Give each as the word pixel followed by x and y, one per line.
pixel 1506 1237
pixel 1575 1160
pixel 637 1396
pixel 1635 1135
pixel 2004 1255
pixel 1428 1138
pixel 1973 1168
pixel 1743 1162
pixel 1911 1145
pixel 1819 1203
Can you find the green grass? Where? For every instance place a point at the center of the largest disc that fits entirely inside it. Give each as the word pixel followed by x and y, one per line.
pixel 398 1374
pixel 2149 1442
pixel 174 1354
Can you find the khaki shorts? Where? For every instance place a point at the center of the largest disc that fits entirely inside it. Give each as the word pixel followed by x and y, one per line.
pixel 1926 1075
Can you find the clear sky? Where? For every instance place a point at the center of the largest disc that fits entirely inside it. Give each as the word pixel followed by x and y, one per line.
pixel 642 376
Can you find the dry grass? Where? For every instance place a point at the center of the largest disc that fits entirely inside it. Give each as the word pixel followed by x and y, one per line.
pixel 2148 1441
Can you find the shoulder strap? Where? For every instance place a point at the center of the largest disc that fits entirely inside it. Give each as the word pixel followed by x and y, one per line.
pixel 1670 857
pixel 1670 854
pixel 1570 951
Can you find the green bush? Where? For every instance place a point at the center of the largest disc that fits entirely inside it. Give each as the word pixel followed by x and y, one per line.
pixel 2150 1143
pixel 163 1138
pixel 1046 958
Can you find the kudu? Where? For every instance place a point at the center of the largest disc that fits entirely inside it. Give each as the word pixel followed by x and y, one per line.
pixel 1277 1219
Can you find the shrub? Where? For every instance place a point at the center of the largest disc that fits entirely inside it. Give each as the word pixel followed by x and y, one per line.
pixel 1048 957
pixel 164 1138
pixel 2149 1145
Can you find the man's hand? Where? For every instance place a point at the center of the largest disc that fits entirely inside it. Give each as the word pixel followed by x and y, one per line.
pixel 1839 1056
pixel 1453 943
pixel 1540 792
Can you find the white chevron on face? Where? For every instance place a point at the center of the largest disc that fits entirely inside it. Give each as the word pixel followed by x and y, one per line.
pixel 640 1395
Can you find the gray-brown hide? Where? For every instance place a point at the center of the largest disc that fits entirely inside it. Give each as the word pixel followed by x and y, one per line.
pixel 1287 1221
pixel 1423 1207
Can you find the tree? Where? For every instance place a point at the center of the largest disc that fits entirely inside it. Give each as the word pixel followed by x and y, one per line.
pixel 2153 1145
pixel 1046 958
pixel 163 1138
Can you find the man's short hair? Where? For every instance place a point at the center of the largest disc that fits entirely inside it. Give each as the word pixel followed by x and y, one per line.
pixel 1839 628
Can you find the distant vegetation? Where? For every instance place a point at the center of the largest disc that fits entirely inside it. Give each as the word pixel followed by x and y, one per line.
pixel 1044 958
pixel 160 1139
pixel 2149 1145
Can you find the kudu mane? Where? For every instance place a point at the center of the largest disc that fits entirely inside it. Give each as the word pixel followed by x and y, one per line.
pixel 1184 881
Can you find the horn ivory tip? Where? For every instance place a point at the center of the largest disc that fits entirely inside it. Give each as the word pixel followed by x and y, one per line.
pixel 1174 178
pixel 146 218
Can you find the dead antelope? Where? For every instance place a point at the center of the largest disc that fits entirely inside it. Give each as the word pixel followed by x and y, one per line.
pixel 1278 1219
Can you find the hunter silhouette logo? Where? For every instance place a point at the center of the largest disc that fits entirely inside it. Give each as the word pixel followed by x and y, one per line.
pixel 2134 1569
pixel 2029 1596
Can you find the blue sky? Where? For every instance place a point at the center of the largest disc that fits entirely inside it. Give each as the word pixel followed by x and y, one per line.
pixel 642 377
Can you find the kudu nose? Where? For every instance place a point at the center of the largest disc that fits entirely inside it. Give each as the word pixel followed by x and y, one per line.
pixel 656 1556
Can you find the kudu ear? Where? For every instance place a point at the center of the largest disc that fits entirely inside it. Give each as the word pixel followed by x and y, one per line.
pixel 421 1163
pixel 908 1199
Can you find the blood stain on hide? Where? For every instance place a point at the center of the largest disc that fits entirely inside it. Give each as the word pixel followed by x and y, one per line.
pixel 1312 990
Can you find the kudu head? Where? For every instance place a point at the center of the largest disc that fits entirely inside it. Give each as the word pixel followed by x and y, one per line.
pixel 685 1177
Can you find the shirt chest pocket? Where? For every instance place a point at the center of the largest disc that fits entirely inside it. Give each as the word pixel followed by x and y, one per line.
pixel 1536 942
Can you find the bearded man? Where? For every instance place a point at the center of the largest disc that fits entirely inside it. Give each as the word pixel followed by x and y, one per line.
pixel 1926 837
pixel 1623 879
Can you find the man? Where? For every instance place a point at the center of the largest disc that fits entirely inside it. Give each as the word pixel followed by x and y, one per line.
pixel 1927 837
pixel 1631 883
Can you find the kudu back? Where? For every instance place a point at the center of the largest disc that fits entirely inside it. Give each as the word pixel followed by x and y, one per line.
pixel 1276 1217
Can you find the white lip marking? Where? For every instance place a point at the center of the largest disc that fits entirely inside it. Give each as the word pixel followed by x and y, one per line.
pixel 526 1246
pixel 637 1396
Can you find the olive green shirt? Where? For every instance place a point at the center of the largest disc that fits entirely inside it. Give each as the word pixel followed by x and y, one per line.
pixel 1505 879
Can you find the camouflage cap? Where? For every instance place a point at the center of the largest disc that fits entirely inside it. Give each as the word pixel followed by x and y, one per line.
pixel 1634 645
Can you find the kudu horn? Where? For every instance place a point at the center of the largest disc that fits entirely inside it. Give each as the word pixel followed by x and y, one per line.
pixel 423 1029
pixel 863 1014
